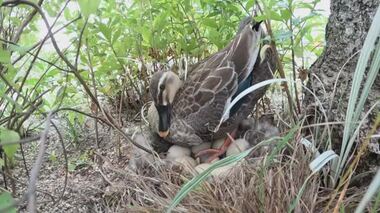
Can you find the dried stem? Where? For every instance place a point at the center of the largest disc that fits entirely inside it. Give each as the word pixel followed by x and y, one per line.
pixel 31 192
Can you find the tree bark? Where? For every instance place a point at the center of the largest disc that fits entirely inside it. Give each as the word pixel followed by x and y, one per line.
pixel 346 31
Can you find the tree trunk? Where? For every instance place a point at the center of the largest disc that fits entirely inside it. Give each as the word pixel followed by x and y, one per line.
pixel 346 31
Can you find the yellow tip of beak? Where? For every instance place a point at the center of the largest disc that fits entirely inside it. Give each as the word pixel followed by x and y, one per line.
pixel 163 134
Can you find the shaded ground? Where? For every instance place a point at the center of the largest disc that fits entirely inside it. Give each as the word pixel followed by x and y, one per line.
pixel 87 182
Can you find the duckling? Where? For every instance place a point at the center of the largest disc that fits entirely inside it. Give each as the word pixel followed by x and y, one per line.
pixel 237 146
pixel 223 172
pixel 188 162
pixel 175 152
pixel 255 131
pixel 139 156
pixel 201 167
pixel 218 143
pixel 220 172
pixel 200 147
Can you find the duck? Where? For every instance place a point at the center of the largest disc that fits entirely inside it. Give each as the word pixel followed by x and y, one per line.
pixel 189 112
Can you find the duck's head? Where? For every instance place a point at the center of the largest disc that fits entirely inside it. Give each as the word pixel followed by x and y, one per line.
pixel 163 88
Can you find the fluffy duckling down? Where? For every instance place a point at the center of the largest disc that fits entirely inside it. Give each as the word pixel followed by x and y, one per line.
pixel 177 152
pixel 220 172
pixel 188 162
pixel 140 157
pixel 218 143
pixel 237 146
pixel 200 147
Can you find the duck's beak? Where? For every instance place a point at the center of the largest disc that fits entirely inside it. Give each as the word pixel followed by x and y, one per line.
pixel 163 134
pixel 164 120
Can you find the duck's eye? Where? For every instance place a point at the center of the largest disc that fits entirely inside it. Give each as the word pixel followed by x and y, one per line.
pixel 162 86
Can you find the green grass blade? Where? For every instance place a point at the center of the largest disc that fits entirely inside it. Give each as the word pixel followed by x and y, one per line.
pixel 299 195
pixel 377 203
pixel 368 46
pixel 319 162
pixel 373 188
pixel 372 74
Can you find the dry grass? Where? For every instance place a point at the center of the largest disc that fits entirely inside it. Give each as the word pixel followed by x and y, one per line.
pixel 252 186
pixel 258 184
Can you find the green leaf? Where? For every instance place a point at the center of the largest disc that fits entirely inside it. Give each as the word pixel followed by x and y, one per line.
pixel 249 4
pixel 210 22
pixel 9 136
pixel 88 7
pixel 285 14
pixel 6 200
pixel 116 35
pixel 106 31
pixel 71 167
pixel 20 49
pixel 159 22
pixel 275 16
pixel 5 56
pixel 146 34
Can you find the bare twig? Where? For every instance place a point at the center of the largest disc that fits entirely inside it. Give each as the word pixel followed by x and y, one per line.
pixel 293 59
pixel 95 92
pixel 33 54
pixel 66 162
pixel 31 192
pixel 110 123
pixel 280 67
pixel 22 141
pixel 126 72
pixel 79 44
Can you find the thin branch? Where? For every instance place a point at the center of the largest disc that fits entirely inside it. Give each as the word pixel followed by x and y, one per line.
pixel 44 18
pixel 37 8
pixel 22 141
pixel 279 65
pixel 95 92
pixel 126 72
pixel 80 44
pixel 108 122
pixel 31 192
pixel 48 37
pixel 25 23
pixel 66 162
pixel 59 52
pixel 242 6
pixel 10 85
pixel 293 59
pixel 108 118
pixel 47 69
pixel 33 54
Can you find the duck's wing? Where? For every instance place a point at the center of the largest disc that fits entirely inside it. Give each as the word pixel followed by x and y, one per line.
pixel 203 102
pixel 263 70
pixel 215 81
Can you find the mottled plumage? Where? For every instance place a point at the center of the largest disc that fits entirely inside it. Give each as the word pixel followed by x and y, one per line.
pixel 197 107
